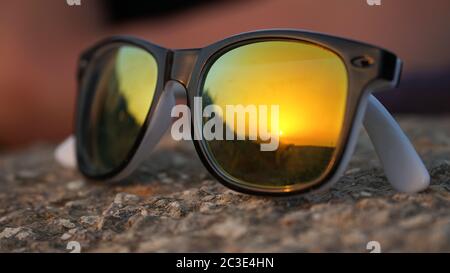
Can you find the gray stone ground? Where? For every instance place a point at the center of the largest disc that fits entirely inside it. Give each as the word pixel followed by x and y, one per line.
pixel 173 204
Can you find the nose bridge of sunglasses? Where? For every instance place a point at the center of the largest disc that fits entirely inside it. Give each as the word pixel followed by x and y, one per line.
pixel 183 61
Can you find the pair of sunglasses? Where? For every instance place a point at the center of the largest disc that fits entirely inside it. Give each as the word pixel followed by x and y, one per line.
pixel 322 85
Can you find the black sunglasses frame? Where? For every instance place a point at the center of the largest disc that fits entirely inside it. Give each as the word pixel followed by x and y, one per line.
pixel 367 66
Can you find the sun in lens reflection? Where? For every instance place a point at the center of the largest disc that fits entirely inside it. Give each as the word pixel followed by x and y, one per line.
pixel 308 83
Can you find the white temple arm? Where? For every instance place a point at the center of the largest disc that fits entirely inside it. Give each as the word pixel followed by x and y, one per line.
pixel 402 166
pixel 401 163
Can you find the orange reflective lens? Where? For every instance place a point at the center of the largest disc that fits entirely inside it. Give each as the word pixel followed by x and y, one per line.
pixel 121 85
pixel 309 84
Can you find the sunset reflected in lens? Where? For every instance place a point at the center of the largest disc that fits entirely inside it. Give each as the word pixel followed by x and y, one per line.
pixel 309 84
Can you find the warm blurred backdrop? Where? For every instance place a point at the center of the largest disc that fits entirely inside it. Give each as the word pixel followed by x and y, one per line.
pixel 40 42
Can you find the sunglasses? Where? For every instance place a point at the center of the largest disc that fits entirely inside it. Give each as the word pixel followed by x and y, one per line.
pixel 321 85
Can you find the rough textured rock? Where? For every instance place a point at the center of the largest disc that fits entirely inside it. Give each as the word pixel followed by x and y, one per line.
pixel 173 204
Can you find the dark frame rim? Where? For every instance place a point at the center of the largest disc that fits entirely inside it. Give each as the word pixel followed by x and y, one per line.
pixel 203 144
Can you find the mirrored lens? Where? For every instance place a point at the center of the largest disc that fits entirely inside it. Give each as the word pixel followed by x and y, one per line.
pixel 309 85
pixel 120 87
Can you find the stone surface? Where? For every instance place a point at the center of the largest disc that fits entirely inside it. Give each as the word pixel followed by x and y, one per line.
pixel 173 204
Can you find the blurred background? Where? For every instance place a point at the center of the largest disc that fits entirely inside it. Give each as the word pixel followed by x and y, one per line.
pixel 40 42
